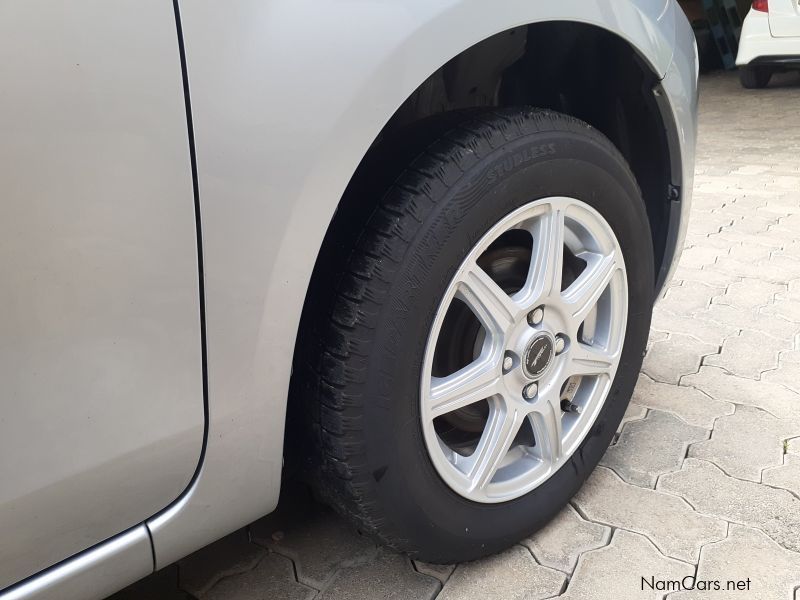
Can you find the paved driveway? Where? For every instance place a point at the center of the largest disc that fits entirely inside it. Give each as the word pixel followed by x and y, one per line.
pixel 704 478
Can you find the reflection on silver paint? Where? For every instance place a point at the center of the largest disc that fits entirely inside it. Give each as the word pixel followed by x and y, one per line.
pixel 101 412
pixel 93 574
pixel 680 86
pixel 287 95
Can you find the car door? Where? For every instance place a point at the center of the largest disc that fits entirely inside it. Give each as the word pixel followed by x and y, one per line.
pixel 784 18
pixel 101 412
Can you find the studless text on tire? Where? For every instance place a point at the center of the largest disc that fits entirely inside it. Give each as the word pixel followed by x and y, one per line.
pixel 483 337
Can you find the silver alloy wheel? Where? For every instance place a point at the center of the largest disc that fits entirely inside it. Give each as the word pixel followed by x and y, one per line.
pixel 564 347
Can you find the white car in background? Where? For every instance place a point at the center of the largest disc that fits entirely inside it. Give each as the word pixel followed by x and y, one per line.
pixel 770 41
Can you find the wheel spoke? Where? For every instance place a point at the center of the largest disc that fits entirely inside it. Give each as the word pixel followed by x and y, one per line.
pixel 583 294
pixel 546 423
pixel 477 381
pixel 547 257
pixel 590 360
pixel 501 429
pixel 493 307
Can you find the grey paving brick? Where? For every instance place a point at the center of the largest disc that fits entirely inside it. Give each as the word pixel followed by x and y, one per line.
pixel 776 512
pixel 440 572
pixel 749 293
pixel 273 577
pixel 745 443
pixel 651 447
pixel 666 520
pixel 318 541
pixel 634 412
pixel 720 385
pixel 231 555
pixel 768 571
pixel 687 403
pixel 565 538
pixel 686 299
pixel 786 476
pixel 709 276
pixel 745 318
pixel 671 359
pixel 775 269
pixel 786 309
pixel 389 577
pixel 749 354
pixel 510 575
pixel 698 257
pixel 787 372
pixel 615 572
pixel 161 585
pixel 792 446
pixel 698 326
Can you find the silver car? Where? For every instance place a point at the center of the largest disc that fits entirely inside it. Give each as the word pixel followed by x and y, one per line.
pixel 405 250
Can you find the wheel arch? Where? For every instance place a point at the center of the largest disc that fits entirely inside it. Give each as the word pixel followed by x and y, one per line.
pixel 284 111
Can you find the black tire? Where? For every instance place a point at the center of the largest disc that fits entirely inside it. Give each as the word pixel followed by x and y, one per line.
pixel 360 374
pixel 754 77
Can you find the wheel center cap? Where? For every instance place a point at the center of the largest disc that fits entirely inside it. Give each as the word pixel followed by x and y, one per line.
pixel 538 355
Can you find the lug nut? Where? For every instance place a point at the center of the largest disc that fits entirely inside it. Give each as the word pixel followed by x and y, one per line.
pixel 535 316
pixel 560 344
pixel 530 391
pixel 508 362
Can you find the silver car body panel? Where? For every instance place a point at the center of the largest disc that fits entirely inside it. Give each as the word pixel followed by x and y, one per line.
pixel 102 414
pixel 286 98
pixel 97 573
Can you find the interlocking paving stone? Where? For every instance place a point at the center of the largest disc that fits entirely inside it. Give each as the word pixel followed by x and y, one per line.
pixel 273 577
pixel 390 576
pixel 319 542
pixel 696 326
pixel 709 276
pixel 775 269
pixel 750 318
pixel 634 412
pixel 749 293
pixel 747 251
pixel 615 572
pixel 793 446
pixel 565 538
pixel 749 354
pixel 510 575
pixel 786 476
pixel 773 572
pixel 686 299
pixel 440 572
pixel 788 371
pixel 785 308
pixel 776 512
pixel 745 443
pixel 699 256
pixel 720 385
pixel 671 359
pixel 687 403
pixel 161 585
pixel 651 447
pixel 231 555
pixel 668 521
